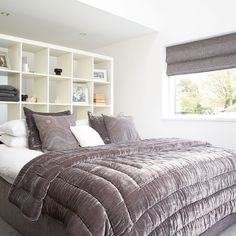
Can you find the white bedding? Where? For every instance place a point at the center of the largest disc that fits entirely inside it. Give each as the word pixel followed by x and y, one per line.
pixel 13 159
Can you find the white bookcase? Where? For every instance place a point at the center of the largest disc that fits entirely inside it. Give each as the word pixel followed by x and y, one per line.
pixel 54 93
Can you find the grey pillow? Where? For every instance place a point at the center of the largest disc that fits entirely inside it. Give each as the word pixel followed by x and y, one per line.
pixel 34 141
pixel 55 133
pixel 97 123
pixel 121 129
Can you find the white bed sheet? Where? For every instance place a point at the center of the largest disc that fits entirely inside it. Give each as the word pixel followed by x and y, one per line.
pixel 13 159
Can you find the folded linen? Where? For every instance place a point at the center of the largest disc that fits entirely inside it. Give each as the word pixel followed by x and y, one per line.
pixel 7 88
pixel 10 99
pixel 6 94
pixel 9 91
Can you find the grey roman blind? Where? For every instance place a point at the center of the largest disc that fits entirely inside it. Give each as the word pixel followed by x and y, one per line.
pixel 201 56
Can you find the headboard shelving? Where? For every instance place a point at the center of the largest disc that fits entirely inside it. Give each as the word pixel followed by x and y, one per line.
pixel 54 93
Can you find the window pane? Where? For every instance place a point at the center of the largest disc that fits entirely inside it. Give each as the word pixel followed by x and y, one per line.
pixel 206 93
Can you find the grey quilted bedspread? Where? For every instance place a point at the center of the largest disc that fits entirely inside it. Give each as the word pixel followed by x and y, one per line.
pixel 151 187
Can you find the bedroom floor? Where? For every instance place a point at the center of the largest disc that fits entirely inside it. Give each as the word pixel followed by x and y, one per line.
pixel 6 230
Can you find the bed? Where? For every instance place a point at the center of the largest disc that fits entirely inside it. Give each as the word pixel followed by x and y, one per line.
pixel 148 187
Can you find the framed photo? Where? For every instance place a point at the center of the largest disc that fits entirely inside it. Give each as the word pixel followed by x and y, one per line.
pixel 100 75
pixel 80 93
pixel 4 60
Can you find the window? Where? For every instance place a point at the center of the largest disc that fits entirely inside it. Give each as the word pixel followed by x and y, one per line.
pixel 208 93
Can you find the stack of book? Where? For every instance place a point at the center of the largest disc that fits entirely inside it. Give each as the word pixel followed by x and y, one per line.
pixel 99 99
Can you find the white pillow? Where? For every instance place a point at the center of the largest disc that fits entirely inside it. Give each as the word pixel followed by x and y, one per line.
pixel 86 136
pixel 15 128
pixel 17 142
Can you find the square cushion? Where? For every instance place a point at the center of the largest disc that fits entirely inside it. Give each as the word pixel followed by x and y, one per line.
pixel 34 141
pixel 55 133
pixel 97 123
pixel 121 129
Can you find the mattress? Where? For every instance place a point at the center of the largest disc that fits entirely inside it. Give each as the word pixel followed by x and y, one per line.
pixel 13 159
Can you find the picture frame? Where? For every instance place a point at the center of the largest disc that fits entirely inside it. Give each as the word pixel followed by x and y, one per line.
pixel 80 93
pixel 4 62
pixel 101 75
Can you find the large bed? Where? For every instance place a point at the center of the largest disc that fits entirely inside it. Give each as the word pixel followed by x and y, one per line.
pixel 148 187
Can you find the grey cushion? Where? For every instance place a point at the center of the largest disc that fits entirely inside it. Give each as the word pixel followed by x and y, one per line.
pixel 120 129
pixel 97 123
pixel 55 133
pixel 34 141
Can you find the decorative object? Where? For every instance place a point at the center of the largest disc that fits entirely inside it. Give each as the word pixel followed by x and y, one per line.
pixel 80 93
pixel 99 99
pixel 24 97
pixel 32 99
pixel 100 75
pixel 25 65
pixel 4 60
pixel 58 71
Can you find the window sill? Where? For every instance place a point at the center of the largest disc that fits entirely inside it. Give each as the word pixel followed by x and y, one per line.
pixel 199 118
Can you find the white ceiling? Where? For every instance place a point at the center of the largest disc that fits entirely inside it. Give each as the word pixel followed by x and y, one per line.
pixel 62 22
pixel 110 21
pixel 176 20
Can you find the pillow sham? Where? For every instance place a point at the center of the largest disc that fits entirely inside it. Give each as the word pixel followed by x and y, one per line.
pixel 86 136
pixel 121 129
pixel 97 123
pixel 16 142
pixel 34 141
pixel 15 128
pixel 55 133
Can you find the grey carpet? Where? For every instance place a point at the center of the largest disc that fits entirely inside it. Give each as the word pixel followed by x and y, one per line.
pixel 6 230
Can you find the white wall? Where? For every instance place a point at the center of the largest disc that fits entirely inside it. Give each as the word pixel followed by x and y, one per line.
pixel 139 66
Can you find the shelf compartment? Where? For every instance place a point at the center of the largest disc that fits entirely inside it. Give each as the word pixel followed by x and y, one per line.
pixel 83 91
pixel 30 75
pixel 34 107
pixel 37 58
pixel 82 66
pixel 99 110
pixel 13 52
pixel 104 64
pixel 9 111
pixel 61 59
pixel 13 80
pixel 101 88
pixel 59 108
pixel 60 91
pixel 81 112
pixel 35 86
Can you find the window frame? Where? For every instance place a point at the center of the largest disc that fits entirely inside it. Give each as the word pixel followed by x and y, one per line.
pixel 168 106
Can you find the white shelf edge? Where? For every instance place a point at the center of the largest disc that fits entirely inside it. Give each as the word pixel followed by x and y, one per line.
pixel 33 74
pixel 34 103
pixel 9 102
pixel 101 105
pixel 82 105
pixel 59 77
pixel 59 104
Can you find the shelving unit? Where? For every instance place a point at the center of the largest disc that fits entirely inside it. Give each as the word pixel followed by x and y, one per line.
pixel 54 93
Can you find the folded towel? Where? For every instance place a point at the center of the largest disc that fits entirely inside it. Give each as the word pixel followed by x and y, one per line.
pixel 7 88
pixel 10 99
pixel 7 94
